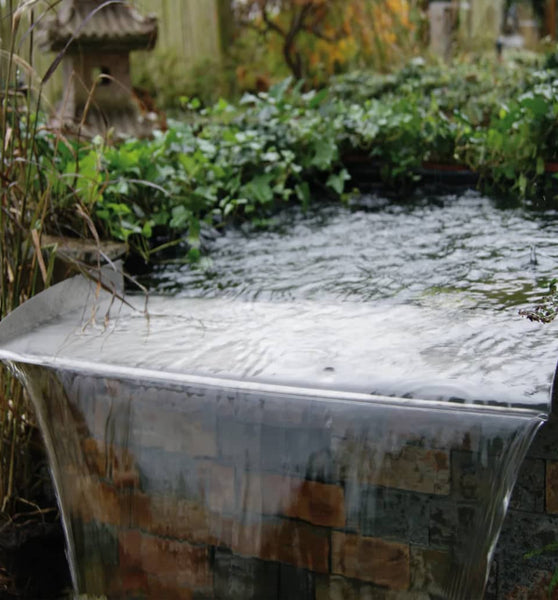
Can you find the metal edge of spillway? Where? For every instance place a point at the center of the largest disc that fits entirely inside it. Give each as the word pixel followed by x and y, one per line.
pixel 330 395
pixel 76 293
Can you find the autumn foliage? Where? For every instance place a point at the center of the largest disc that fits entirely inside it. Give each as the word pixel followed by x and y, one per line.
pixel 317 38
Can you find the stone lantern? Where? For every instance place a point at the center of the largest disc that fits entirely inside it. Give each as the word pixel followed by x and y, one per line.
pixel 96 38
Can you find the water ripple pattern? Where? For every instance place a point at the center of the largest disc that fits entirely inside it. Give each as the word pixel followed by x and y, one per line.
pixel 460 249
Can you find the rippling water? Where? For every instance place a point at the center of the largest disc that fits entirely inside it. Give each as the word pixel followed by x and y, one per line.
pixel 414 301
pixel 463 248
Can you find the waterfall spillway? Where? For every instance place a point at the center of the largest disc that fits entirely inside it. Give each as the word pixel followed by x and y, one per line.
pixel 231 449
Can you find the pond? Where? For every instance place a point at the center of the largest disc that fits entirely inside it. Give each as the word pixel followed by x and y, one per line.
pixel 463 248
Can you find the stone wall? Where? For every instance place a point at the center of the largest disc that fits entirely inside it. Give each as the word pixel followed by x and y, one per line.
pixel 530 525
pixel 174 493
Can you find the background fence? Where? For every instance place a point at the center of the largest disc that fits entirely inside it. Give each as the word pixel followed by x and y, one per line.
pixel 188 28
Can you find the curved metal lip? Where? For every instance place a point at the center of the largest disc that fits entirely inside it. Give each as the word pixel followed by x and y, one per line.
pixel 329 395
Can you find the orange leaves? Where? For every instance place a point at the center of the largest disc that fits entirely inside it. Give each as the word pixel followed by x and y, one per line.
pixel 321 37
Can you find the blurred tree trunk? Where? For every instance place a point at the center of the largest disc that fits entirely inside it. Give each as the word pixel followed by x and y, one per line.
pixel 550 18
pixel 226 25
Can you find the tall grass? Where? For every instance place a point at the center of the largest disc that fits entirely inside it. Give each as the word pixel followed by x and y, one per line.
pixel 29 207
pixel 24 205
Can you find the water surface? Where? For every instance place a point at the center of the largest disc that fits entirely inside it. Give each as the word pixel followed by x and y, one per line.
pixel 463 249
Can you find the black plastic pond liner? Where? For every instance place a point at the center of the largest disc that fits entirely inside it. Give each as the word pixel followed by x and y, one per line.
pixel 448 175
pixel 366 174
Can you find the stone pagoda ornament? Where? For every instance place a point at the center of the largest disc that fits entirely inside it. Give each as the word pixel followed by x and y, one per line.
pixel 96 38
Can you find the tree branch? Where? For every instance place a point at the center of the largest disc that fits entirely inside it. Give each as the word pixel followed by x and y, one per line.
pixel 271 24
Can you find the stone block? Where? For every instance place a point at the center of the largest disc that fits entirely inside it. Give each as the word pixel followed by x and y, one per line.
pixel 295 583
pixel 221 531
pixel 317 503
pixel 529 490
pixel 94 456
pixel 177 562
pixel 113 463
pixel 220 490
pixel 371 559
pixel 286 541
pixel 128 584
pixel 278 437
pixel 552 487
pixel 164 587
pixel 335 587
pixel 94 500
pixel 311 501
pixel 248 537
pixel 523 533
pixel 294 451
pixel 431 570
pixel 238 578
pixel 176 426
pixel 532 585
pixel 100 414
pixel 297 544
pixel 471 478
pixel 450 522
pixel 545 444
pixel 97 546
pixel 165 472
pixel 169 516
pixel 250 499
pixel 388 513
pixel 412 468
pixel 535 588
pixel 96 542
pixel 239 443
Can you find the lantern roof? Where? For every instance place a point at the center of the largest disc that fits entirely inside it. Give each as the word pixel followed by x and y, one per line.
pixel 98 25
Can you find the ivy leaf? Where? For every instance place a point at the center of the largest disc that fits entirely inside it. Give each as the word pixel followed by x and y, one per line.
pixel 278 91
pixel 180 217
pixel 538 105
pixel 147 229
pixel 259 189
pixel 325 153
pixel 318 98
pixel 336 181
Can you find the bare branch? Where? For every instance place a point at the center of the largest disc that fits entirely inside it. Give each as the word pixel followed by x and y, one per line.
pixel 269 21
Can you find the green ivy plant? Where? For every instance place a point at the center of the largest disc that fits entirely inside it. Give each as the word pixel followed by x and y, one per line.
pixel 231 162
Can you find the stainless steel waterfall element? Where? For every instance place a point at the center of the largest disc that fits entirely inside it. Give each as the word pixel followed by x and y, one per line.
pixel 208 447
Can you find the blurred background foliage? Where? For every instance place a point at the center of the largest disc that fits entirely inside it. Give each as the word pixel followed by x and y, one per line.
pixel 259 42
